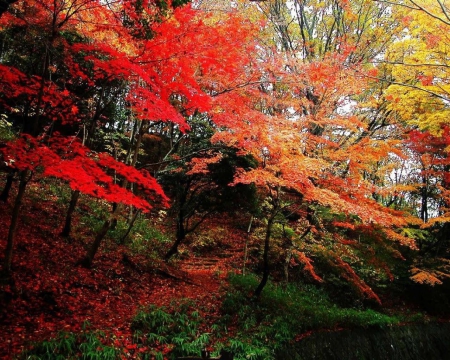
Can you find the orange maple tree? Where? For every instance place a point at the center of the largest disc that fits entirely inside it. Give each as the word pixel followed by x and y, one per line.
pixel 294 121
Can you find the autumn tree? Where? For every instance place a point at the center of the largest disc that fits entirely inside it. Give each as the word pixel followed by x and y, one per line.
pixel 4 4
pixel 431 183
pixel 94 79
pixel 46 92
pixel 293 85
pixel 198 179
pixel 197 175
pixel 413 93
pixel 295 123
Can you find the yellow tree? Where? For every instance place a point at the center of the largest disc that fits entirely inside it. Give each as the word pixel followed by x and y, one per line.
pixel 414 73
pixel 417 66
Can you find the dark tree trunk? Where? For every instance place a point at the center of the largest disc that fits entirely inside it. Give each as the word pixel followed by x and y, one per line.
pixel 287 262
pixel 24 178
pixel 72 205
pixel 266 266
pixel 115 208
pixel 133 150
pixel 76 193
pixel 9 180
pixel 111 222
pixel 181 234
pixel 89 258
pixel 181 229
pixel 130 226
pixel 424 203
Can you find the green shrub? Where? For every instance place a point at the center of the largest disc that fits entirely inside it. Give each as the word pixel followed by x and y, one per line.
pixel 282 313
pixel 87 345
pixel 146 239
pixel 7 132
pixel 176 330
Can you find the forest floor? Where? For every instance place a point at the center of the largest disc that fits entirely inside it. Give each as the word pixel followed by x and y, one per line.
pixel 49 293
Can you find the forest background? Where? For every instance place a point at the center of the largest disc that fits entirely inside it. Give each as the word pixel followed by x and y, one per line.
pixel 179 176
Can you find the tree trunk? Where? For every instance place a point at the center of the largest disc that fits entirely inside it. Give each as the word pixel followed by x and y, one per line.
pixel 73 203
pixel 181 234
pixel 89 258
pixel 24 178
pixel 246 244
pixel 115 208
pixel 112 221
pixel 181 229
pixel 139 129
pixel 266 266
pixel 287 262
pixel 9 180
pixel 130 226
pixel 424 203
pixel 87 141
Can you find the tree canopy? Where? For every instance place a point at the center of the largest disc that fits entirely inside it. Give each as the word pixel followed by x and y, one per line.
pixel 326 121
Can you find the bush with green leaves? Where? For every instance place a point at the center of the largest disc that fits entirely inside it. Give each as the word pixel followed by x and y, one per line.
pixel 174 330
pixel 147 239
pixel 7 132
pixel 144 238
pixel 89 345
pixel 282 313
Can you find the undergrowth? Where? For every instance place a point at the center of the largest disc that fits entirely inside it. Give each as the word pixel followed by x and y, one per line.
pixel 282 314
pixel 144 238
pixel 251 330
pixel 175 331
pixel 67 346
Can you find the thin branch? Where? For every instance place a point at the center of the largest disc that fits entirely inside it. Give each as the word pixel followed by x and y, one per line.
pixel 397 4
pixel 405 64
pixel 180 158
pixel 432 93
pixel 429 13
pixel 419 8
